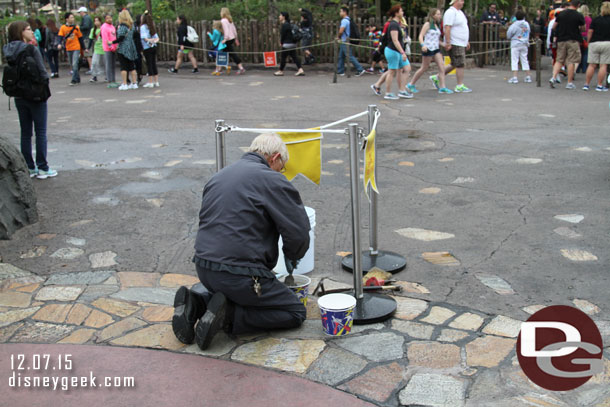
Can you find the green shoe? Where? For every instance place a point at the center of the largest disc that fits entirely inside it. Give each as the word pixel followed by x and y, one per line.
pixel 462 89
pixel 113 85
pixel 33 172
pixel 46 174
pixel 435 81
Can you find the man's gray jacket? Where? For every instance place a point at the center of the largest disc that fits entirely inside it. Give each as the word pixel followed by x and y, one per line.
pixel 245 208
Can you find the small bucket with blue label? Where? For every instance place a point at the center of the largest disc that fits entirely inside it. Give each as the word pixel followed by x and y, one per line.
pixel 337 312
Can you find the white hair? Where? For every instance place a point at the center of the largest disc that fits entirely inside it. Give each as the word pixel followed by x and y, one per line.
pixel 268 144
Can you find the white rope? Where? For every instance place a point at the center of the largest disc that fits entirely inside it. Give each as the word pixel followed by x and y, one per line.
pixel 248 130
pixel 303 141
pixel 343 120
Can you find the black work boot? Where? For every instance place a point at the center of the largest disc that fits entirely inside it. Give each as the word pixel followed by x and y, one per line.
pixel 215 319
pixel 188 308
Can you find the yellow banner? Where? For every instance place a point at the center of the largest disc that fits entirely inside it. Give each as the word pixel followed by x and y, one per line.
pixel 369 164
pixel 304 155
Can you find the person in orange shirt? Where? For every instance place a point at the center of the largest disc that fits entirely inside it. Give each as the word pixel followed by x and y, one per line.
pixel 71 34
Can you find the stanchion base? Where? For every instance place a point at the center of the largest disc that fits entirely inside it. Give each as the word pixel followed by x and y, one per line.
pixel 387 261
pixel 373 308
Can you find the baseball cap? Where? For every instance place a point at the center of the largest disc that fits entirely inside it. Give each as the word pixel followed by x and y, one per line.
pixel 452 1
pixel 82 10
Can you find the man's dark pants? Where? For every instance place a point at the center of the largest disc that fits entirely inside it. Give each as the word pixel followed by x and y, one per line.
pixel 277 307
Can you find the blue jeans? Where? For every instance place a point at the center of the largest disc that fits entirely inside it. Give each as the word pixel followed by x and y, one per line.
pixel 341 63
pixel 73 58
pixel 35 112
pixel 53 58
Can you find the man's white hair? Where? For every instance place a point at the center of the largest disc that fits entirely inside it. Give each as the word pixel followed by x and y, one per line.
pixel 268 144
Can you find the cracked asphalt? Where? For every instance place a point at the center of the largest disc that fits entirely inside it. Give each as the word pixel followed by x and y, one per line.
pixel 495 166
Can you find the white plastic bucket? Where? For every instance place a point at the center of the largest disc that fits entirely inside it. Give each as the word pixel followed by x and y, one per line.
pixel 307 262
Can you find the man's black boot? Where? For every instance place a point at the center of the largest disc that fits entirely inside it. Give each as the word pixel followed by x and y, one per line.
pixel 188 308
pixel 214 320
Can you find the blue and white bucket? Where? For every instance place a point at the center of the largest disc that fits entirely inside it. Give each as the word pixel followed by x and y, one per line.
pixel 337 312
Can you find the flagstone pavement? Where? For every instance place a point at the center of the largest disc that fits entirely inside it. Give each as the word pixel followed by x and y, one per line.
pixel 431 354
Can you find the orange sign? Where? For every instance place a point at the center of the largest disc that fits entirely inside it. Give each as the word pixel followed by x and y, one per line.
pixel 270 59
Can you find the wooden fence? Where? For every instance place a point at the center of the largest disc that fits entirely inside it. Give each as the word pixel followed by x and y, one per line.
pixel 489 43
pixel 257 37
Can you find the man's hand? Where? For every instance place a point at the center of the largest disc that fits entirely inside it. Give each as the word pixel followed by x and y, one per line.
pixel 467 46
pixel 448 46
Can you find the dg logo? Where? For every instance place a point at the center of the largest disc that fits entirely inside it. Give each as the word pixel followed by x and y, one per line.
pixel 560 348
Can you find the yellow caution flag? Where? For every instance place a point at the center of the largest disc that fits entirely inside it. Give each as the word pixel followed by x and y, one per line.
pixel 369 163
pixel 304 155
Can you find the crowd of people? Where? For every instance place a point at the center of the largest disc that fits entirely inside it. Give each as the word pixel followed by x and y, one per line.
pixel 95 45
pixel 577 42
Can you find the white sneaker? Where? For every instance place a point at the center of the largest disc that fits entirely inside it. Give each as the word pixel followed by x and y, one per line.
pixel 157 84
pixel 124 87
pixel 148 85
pixel 528 79
pixel 133 86
pixel 514 79
pixel 570 85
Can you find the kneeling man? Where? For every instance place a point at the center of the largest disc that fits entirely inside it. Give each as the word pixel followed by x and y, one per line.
pixel 245 208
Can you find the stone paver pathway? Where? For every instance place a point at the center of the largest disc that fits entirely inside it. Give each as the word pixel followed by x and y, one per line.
pixel 428 354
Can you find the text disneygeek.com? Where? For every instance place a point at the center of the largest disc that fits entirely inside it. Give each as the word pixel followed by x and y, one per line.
pixel 22 365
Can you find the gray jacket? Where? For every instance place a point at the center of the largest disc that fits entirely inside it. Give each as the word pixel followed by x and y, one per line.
pixel 14 48
pixel 245 208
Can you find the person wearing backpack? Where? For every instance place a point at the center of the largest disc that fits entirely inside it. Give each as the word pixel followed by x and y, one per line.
pixel 345 33
pixel 186 46
pixel 29 85
pixel 71 35
pixel 308 34
pixel 288 42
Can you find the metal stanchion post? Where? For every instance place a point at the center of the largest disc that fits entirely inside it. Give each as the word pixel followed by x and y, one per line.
pixel 355 189
pixel 370 308
pixel 221 155
pixel 538 62
pixel 385 260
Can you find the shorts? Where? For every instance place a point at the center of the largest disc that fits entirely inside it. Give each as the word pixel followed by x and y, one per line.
pixel 458 56
pixel 88 50
pixel 599 52
pixel 430 53
pixel 126 63
pixel 394 59
pixel 185 51
pixel 568 52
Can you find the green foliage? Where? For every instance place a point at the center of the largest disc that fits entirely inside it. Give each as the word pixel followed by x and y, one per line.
pixel 161 9
pixel 120 4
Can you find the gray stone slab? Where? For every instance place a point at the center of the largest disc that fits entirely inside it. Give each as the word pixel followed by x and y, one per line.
pixel 335 366
pixel 80 278
pixel 93 292
pixel 376 346
pixel 434 390
pixel 311 329
pixel 9 271
pixel 41 332
pixel 145 294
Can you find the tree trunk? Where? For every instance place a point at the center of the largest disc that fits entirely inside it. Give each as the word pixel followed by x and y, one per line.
pixel 149 6
pixel 440 4
pixel 55 10
pixel 378 11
